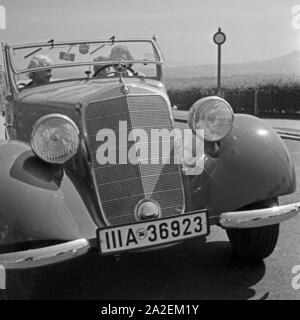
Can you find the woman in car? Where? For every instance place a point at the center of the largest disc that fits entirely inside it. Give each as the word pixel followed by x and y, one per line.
pixel 43 76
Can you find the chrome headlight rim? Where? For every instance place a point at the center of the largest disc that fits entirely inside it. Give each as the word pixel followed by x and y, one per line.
pixel 198 105
pixel 45 118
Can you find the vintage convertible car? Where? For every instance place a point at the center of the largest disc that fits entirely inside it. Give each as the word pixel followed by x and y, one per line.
pixel 78 173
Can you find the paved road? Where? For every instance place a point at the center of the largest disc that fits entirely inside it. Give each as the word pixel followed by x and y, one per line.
pixel 194 270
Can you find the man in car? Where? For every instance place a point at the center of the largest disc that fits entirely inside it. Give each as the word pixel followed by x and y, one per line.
pixel 43 76
pixel 121 52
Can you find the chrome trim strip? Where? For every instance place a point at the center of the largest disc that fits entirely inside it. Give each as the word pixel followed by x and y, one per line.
pixel 91 167
pixel 258 218
pixel 288 132
pixel 166 98
pixel 160 60
pixel 74 42
pixel 44 256
pixel 89 63
pixel 289 136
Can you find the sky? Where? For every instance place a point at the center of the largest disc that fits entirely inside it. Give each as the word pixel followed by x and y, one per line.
pixel 255 29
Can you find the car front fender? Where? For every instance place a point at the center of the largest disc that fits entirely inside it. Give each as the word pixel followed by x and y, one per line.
pixel 253 164
pixel 35 204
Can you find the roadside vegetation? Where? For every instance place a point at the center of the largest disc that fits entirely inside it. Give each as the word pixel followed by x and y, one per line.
pixel 268 96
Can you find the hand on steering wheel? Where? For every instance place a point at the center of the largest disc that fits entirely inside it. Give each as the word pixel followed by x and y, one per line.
pixel 113 72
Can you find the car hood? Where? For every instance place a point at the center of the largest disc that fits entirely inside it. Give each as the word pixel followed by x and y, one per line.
pixel 73 92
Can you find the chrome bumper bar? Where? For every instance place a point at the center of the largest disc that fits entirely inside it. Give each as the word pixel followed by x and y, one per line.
pixel 258 218
pixel 44 256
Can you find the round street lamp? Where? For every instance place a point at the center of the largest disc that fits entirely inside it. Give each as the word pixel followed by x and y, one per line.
pixel 219 37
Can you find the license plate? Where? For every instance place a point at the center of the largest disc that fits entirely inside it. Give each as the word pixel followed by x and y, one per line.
pixel 153 233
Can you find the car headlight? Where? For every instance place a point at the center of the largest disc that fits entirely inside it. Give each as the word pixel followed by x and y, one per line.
pixel 214 115
pixel 55 138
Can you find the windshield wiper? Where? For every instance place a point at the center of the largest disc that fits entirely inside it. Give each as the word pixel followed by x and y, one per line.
pixel 51 43
pixel 112 39
pixel 33 52
pixel 103 45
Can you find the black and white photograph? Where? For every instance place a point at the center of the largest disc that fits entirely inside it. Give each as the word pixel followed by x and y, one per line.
pixel 149 151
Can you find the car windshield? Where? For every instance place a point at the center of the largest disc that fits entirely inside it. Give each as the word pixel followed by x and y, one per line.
pixel 79 59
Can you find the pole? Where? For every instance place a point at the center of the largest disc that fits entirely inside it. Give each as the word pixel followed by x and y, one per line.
pixel 219 69
pixel 219 38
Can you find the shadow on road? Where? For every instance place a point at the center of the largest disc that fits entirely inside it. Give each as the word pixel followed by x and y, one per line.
pixel 193 270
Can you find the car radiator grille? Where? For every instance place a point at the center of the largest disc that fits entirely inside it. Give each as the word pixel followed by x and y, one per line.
pixel 121 186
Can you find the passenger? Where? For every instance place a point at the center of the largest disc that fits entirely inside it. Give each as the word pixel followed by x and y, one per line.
pixel 43 76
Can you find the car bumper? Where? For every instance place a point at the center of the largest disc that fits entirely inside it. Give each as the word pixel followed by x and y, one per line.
pixel 44 256
pixel 258 218
pixel 68 250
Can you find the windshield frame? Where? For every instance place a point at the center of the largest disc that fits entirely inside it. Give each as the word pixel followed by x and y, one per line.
pixel 13 72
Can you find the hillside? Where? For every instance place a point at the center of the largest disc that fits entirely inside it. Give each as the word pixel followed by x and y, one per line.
pixel 288 64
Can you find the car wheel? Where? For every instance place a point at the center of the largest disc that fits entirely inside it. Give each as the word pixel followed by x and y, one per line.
pixel 20 285
pixel 255 244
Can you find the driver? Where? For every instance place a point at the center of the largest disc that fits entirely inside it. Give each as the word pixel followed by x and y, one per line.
pixel 43 76
pixel 121 52
pixel 118 53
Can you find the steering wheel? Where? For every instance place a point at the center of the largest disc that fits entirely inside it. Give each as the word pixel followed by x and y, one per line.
pixel 113 72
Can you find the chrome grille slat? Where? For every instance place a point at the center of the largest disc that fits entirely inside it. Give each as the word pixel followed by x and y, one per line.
pixel 154 175
pixel 111 174
pixel 159 183
pixel 152 169
pixel 144 193
pixel 170 211
pixel 112 107
pixel 139 120
pixel 171 196
pixel 130 188
pixel 95 145
pixel 120 187
pixel 109 123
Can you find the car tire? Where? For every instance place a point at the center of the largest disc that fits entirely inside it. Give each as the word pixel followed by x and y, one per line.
pixel 254 244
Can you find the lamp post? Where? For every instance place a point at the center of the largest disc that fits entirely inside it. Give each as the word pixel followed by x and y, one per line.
pixel 219 38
